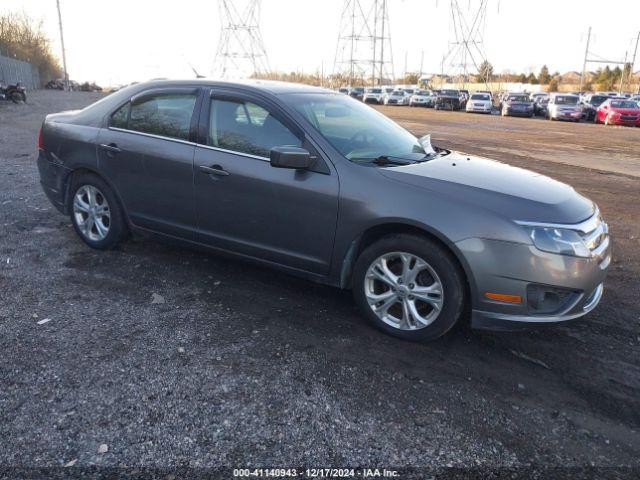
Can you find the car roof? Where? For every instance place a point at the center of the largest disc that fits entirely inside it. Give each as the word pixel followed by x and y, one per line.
pixel 270 86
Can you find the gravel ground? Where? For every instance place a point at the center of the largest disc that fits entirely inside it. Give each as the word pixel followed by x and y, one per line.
pixel 162 357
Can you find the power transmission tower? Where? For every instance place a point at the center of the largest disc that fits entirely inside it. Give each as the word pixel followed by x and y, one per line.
pixel 590 57
pixel 241 51
pixel 466 50
pixel 363 51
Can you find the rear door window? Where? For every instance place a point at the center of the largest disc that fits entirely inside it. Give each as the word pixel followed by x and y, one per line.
pixel 245 127
pixel 164 114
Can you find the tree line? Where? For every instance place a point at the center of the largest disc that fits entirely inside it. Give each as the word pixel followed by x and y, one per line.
pixel 602 79
pixel 22 38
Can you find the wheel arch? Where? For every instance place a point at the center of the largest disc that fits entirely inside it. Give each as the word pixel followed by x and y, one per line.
pixel 376 232
pixel 68 181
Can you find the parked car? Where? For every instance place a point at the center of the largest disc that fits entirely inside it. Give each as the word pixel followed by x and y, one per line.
pixel 373 95
pixel 517 104
pixel 55 85
pixel 447 99
pixel 89 87
pixel 590 105
pixel 344 90
pixel 283 174
pixel 356 92
pixel 564 106
pixel 397 97
pixel 480 102
pixel 422 98
pixel 540 103
pixel 464 98
pixel 618 112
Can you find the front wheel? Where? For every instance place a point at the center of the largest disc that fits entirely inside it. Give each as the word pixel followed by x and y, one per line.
pixel 410 287
pixel 95 212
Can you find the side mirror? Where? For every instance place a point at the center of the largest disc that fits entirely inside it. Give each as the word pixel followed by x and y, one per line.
pixel 291 157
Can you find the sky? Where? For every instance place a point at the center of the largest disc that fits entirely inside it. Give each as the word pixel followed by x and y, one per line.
pixel 114 42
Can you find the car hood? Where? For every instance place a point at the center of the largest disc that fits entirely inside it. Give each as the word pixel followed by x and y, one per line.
pixel 511 192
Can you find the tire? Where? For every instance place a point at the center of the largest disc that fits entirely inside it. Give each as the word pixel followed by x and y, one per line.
pixel 111 220
pixel 448 275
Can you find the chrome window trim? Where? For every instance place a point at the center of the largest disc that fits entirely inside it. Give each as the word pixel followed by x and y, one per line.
pixel 151 135
pixel 186 142
pixel 234 152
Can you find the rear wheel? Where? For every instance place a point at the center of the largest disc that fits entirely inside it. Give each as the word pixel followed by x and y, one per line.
pixel 95 212
pixel 410 287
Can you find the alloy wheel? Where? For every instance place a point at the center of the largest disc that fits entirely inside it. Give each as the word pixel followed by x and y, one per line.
pixel 92 213
pixel 404 291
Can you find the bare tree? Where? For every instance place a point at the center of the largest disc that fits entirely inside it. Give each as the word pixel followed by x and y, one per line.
pixel 22 38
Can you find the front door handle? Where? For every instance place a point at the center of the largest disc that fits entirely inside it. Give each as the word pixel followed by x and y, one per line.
pixel 214 170
pixel 110 148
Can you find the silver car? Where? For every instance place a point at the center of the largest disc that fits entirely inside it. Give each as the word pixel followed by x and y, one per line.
pixel 564 107
pixel 397 97
pixel 422 98
pixel 480 102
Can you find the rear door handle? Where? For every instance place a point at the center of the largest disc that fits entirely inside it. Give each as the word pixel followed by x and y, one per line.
pixel 214 170
pixel 111 148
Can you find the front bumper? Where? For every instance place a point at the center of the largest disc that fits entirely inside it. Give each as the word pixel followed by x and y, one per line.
pixel 621 121
pixel 479 108
pixel 567 115
pixel 514 269
pixel 518 112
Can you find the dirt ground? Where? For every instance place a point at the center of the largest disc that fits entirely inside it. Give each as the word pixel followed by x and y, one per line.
pixel 175 358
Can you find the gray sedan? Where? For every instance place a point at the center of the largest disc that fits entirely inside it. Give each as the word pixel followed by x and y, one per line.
pixel 326 188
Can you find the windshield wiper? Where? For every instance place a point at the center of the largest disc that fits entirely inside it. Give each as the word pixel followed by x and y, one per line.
pixel 391 160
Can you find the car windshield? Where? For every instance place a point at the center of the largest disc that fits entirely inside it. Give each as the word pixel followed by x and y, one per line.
pixel 518 98
pixel 358 89
pixel 422 92
pixel 480 96
pixel 398 93
pixel 357 131
pixel 623 104
pixel 598 99
pixel 375 90
pixel 566 100
pixel 450 93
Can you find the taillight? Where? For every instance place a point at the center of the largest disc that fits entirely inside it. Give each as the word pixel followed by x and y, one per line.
pixel 40 142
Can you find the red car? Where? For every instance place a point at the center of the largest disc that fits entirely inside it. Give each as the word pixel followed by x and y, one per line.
pixel 618 112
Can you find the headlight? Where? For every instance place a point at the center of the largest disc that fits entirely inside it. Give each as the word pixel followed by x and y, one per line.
pixel 559 240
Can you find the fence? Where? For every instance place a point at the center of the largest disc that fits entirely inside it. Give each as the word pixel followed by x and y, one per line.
pixel 12 71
